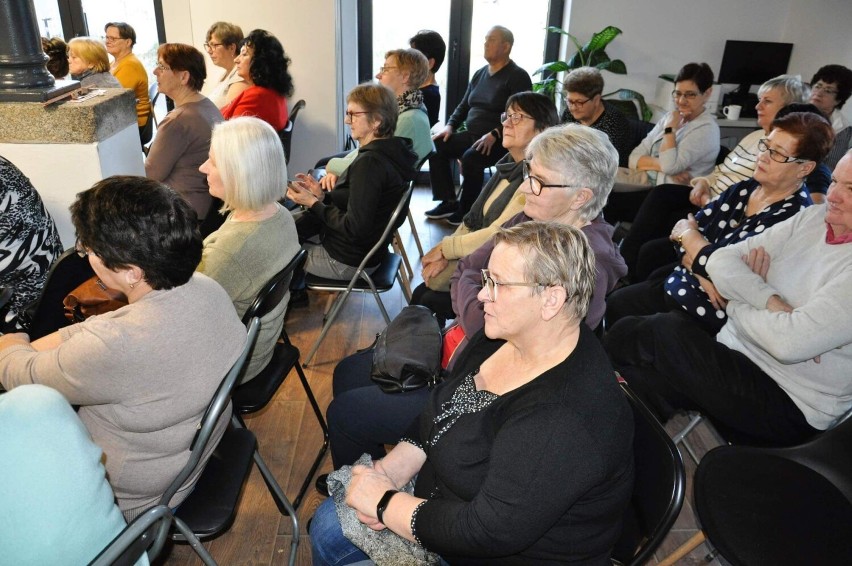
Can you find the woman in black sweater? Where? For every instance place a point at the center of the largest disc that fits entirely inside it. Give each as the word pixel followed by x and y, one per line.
pixel 525 457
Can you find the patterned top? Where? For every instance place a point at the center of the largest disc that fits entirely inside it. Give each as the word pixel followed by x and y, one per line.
pixel 722 222
pixel 614 124
pixel 466 400
pixel 29 241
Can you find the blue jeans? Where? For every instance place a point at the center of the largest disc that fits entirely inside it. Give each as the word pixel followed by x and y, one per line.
pixel 328 545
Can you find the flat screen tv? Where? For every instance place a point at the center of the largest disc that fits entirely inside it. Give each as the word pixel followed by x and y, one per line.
pixel 749 63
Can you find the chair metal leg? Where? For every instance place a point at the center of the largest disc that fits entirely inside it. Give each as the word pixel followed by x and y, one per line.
pixel 326 326
pixel 415 234
pixel 399 248
pixel 193 541
pixel 324 448
pixel 681 437
pixel 284 505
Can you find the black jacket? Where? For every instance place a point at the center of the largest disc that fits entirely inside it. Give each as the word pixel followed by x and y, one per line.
pixel 356 212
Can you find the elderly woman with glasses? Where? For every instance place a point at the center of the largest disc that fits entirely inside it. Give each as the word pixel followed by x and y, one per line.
pixel 351 218
pixel 127 68
pixel 263 65
pixel 222 45
pixel 144 374
pixel 777 191
pixel 570 174
pixel 584 105
pixel 830 89
pixel 683 144
pixel 525 453
pixel 183 137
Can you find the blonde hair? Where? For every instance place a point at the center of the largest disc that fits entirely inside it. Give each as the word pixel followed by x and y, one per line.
pixel 250 160
pixel 91 51
pixel 555 254
pixel 414 63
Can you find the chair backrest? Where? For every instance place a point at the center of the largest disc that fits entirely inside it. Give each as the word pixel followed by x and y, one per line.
pixel 47 314
pixel 273 292
pixel 286 133
pixel 132 542
pixel 153 92
pixel 658 490
pixel 395 221
pixel 423 161
pixel 221 400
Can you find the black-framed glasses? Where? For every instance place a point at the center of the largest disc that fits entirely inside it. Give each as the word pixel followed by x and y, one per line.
pixel 775 155
pixel 490 285
pixel 351 115
pixel 210 46
pixel 81 250
pixel 577 103
pixel 690 95
pixel 537 183
pixel 514 117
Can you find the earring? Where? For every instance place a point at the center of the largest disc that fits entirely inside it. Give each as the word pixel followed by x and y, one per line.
pixel 132 285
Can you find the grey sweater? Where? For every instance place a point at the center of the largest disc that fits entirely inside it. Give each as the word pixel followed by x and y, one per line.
pixel 143 376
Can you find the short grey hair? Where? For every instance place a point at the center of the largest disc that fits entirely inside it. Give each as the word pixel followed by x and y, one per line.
pixel 414 63
pixel 587 81
pixel 555 254
pixel 583 157
pixel 250 160
pixel 507 34
pixel 791 88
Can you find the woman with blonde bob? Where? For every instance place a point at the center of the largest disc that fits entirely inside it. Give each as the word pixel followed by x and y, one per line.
pixel 89 63
pixel 247 171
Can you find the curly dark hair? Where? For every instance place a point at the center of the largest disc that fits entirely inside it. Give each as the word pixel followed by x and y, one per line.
pixel 269 63
pixel 839 75
pixel 127 220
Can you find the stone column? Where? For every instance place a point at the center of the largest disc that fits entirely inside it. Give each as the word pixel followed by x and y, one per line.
pixel 23 75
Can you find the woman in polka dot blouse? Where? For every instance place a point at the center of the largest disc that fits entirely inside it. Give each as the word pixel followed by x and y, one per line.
pixel 794 147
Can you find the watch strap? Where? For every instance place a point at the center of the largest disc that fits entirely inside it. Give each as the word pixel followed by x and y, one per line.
pixel 668 131
pixel 383 504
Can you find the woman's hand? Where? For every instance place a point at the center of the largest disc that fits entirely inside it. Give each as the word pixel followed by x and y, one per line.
pixel 302 195
pixel 367 487
pixel 308 182
pixel 328 181
pixel 682 227
pixel 484 144
pixel 433 255
pixel 700 193
pixel 433 269
pixel 675 120
pixel 718 301
pixel 682 178
pixel 758 261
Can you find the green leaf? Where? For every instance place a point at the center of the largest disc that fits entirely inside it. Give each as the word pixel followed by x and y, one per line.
pixel 616 66
pixel 602 38
pixel 553 67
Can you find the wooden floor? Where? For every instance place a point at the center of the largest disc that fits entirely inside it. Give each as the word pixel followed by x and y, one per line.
pixel 289 435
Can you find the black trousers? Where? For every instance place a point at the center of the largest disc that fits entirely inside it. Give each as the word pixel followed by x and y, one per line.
pixel 473 163
pixel 658 213
pixel 439 302
pixel 673 364
pixel 363 418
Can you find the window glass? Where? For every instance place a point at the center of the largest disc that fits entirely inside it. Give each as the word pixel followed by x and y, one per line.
pixel 138 13
pixel 527 20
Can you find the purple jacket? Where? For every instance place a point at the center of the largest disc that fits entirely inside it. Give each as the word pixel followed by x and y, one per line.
pixel 467 279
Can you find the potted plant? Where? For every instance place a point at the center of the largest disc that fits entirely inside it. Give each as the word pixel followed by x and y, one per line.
pixel 592 54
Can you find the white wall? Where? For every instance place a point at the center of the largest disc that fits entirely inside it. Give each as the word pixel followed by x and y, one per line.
pixel 310 36
pixel 660 36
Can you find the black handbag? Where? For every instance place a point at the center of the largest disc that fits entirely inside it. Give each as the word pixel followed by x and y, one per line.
pixel 407 354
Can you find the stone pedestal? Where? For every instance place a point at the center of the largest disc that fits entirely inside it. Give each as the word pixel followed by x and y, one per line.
pixel 66 147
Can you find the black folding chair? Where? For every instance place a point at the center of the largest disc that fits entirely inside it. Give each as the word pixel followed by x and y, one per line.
pixel 132 542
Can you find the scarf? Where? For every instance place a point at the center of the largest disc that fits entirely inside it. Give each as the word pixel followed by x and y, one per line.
pixel 833 240
pixel 410 99
pixel 507 169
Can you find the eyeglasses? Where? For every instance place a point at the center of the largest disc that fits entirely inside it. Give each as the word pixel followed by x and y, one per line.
pixel 162 67
pixel 775 155
pixel 537 183
pixel 111 38
pixel 577 103
pixel 81 251
pixel 384 69
pixel 490 285
pixel 687 95
pixel 825 89
pixel 514 117
pixel 351 115
pixel 210 46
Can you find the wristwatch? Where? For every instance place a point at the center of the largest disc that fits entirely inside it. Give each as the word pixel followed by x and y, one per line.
pixel 496 133
pixel 667 131
pixel 383 504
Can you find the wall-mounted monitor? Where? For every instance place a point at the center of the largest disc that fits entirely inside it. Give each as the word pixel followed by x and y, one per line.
pixel 749 63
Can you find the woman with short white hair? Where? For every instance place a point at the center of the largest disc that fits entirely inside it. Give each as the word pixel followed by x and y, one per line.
pixel 247 171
